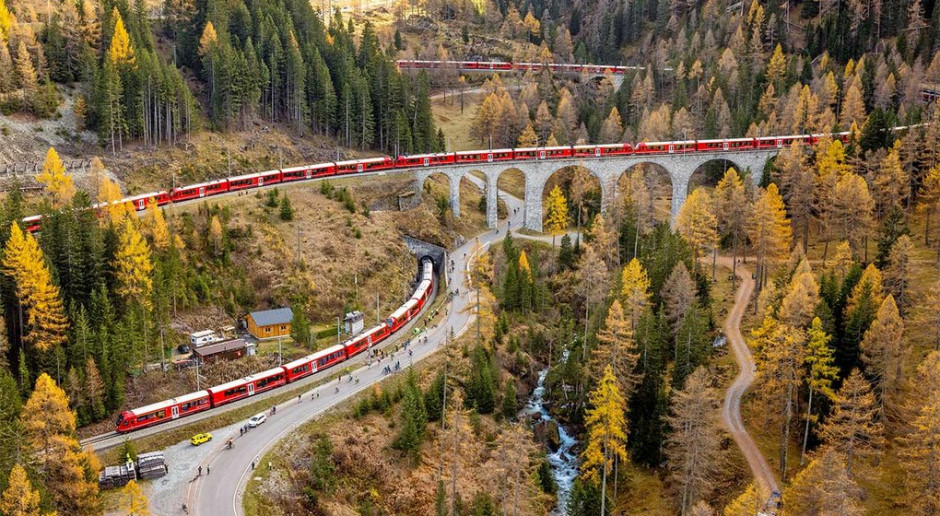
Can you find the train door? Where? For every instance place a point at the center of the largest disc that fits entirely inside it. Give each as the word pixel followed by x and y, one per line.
pixel 724 145
pixel 672 149
pixel 489 157
pixel 597 152
pixel 358 167
pixel 308 174
pixel 141 204
pixel 541 154
pixel 779 143
pixel 251 389
pixel 175 411
pixel 202 191
pixel 427 161
pixel 260 181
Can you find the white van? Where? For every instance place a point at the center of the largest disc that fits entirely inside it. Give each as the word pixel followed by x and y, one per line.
pixel 202 337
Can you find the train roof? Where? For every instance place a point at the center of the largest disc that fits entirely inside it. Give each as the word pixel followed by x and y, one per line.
pixel 143 196
pixel 328 351
pixel 249 378
pixel 193 396
pixel 299 362
pixel 254 175
pixel 200 185
pixel 305 167
pixel 364 160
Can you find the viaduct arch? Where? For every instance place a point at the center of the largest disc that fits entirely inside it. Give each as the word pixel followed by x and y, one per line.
pixel 607 170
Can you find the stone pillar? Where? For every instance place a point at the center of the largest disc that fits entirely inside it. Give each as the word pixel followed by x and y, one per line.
pixel 533 201
pixel 680 190
pixel 492 200
pixel 455 193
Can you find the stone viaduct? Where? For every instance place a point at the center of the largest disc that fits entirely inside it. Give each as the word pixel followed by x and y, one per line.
pixel 607 170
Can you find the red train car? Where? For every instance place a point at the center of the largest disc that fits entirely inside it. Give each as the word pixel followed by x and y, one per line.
pixel 424 160
pixel 329 356
pixel 199 190
pixel 615 149
pixel 163 411
pixel 300 368
pixel 255 180
pixel 307 172
pixel 247 386
pixel 586 151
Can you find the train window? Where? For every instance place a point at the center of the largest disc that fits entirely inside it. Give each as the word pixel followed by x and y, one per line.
pixel 267 381
pixel 235 391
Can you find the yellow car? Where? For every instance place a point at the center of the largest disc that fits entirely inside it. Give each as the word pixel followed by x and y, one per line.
pixel 198 439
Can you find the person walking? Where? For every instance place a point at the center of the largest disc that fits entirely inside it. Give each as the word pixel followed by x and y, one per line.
pixel 200 471
pixel 208 470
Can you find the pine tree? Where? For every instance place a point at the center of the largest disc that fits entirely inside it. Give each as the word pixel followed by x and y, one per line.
pixel 56 181
pixel 697 223
pixel 822 371
pixel 694 447
pixel 853 427
pixel 413 420
pixel 882 349
pixel 134 269
pixel 920 449
pixel 19 499
pixel 133 502
pixel 607 436
pixel 824 487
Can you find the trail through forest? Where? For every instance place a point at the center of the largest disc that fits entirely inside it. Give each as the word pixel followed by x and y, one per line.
pixel 731 412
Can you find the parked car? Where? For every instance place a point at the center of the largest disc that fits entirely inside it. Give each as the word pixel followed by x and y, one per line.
pixel 257 419
pixel 182 348
pixel 198 439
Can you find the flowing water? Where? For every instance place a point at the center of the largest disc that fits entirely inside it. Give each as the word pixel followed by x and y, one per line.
pixel 564 462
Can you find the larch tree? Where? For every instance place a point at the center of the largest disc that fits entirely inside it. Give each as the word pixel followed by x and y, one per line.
pixel 607 432
pixel 697 223
pixel 56 181
pixel 133 501
pixel 693 448
pixel 780 373
pixel 23 260
pixel 897 274
pixel 748 503
pixel 593 284
pixel 604 239
pixel 769 230
pixel 799 303
pixel 19 499
pixel 890 183
pixel 556 214
pixel 528 137
pixel 634 290
pixel 580 186
pixel 819 361
pixel 616 349
pixel 514 447
pixel 930 204
pixel 853 427
pixel 49 436
pixel 929 313
pixel 26 77
pixel 882 352
pixel 110 194
pixel 134 268
pixel 158 227
pixel 852 206
pixel 920 448
pixel 824 487
pixel 798 184
pixel 843 260
pixel 731 209
pixel 678 295
pixel 612 128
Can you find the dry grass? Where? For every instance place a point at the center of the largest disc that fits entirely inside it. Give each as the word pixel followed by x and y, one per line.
pixel 456 125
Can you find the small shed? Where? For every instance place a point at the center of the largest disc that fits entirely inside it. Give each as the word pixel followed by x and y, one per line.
pixel 269 324
pixel 354 322
pixel 228 350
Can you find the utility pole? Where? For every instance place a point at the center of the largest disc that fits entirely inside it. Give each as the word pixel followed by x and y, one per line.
pixel 377 316
pixel 478 316
pixel 197 374
pixel 299 260
pixel 228 155
pixel 278 351
pixel 356 283
pixel 337 329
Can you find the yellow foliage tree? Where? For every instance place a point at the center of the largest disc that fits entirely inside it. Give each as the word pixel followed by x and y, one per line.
pixel 120 52
pixel 133 501
pixel 799 303
pixel 46 320
pixel 853 427
pixel 634 290
pixel 524 265
pixel 824 487
pixel 819 359
pixel 617 350
pixel 528 137
pixel 882 351
pixel 57 182
pixel 770 230
pixel 134 267
pixel 747 503
pixel 697 223
pixel 777 66
pixel 6 20
pixel 49 434
pixel 920 450
pixel 19 499
pixel 557 212
pixel 109 194
pixel 607 432
pixel 161 234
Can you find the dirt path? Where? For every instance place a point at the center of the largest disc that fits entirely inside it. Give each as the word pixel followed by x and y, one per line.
pixel 731 411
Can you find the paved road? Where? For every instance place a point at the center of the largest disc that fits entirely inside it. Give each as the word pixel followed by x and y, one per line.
pixel 221 492
pixel 731 412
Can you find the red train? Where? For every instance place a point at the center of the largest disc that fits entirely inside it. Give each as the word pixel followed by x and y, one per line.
pixel 248 386
pixel 379 164
pixel 505 66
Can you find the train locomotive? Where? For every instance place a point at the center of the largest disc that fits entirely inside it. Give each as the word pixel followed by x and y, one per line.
pixel 187 404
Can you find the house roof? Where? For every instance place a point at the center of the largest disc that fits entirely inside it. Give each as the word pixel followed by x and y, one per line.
pixel 221 347
pixel 271 317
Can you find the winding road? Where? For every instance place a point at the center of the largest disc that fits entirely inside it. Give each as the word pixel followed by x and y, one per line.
pixel 221 492
pixel 731 411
